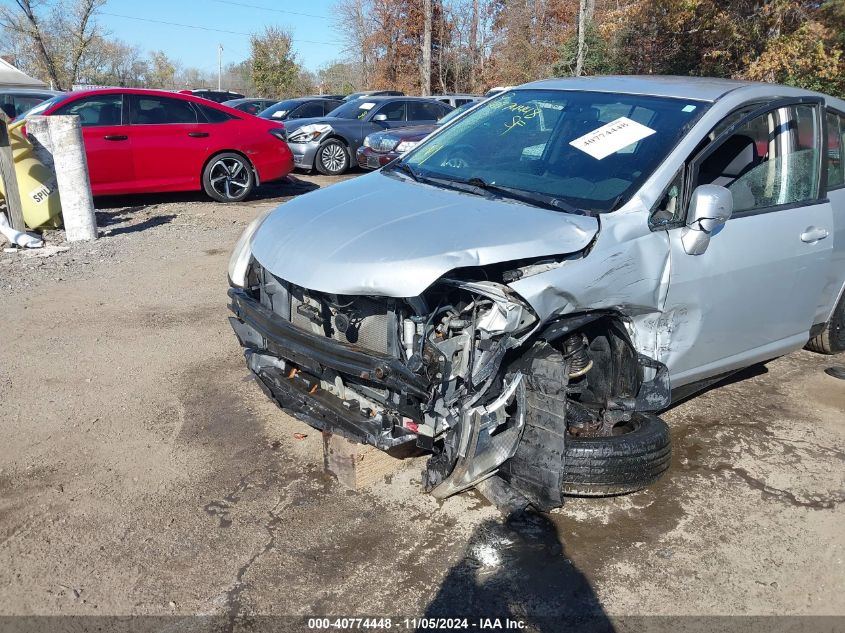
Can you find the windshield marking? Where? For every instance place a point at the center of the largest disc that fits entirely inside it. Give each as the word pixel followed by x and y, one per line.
pixel 612 137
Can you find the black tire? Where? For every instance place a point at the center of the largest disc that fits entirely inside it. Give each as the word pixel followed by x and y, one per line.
pixel 832 338
pixel 606 466
pixel 332 158
pixel 228 177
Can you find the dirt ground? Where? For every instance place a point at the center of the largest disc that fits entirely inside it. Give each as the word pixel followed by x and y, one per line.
pixel 142 472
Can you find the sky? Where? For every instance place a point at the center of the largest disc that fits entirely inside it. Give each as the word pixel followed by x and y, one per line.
pixel 226 22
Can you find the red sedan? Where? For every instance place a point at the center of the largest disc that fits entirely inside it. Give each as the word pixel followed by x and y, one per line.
pixel 145 141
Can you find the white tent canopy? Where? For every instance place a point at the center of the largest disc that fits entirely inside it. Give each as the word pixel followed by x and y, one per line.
pixel 11 77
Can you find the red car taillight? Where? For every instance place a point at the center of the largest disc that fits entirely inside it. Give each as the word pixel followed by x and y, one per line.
pixel 280 133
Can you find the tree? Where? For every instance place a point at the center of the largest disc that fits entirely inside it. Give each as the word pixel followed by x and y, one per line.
pixel 585 21
pixel 161 72
pixel 597 58
pixel 57 33
pixel 275 72
pixel 425 66
pixel 337 78
pixel 355 26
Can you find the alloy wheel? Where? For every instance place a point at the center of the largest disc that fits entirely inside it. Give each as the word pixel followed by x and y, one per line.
pixel 229 177
pixel 333 157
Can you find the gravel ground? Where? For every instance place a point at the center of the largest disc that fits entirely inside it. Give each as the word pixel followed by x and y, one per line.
pixel 143 473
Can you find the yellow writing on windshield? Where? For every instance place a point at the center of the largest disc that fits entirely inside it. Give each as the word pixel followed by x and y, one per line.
pixel 524 111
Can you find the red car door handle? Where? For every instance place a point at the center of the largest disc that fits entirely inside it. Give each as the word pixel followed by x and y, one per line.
pixel 116 137
pixel 197 134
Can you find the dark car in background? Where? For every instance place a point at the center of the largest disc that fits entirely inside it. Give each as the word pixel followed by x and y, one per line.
pixel 16 101
pixel 250 105
pixel 328 144
pixel 219 96
pixel 373 93
pixel 299 108
pixel 380 148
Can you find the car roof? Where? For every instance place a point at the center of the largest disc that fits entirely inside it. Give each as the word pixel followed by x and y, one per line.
pixel 386 98
pixel 308 99
pixel 153 92
pixel 29 91
pixel 693 88
pixel 245 99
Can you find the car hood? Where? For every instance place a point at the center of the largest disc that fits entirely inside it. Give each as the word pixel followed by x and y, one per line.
pixel 295 124
pixel 382 235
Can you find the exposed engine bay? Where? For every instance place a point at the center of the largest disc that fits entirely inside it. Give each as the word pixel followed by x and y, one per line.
pixel 458 371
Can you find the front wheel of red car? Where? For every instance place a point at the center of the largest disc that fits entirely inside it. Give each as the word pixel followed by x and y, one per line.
pixel 332 158
pixel 228 177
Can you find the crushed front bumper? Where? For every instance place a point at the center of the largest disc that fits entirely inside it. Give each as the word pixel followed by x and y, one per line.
pixel 288 362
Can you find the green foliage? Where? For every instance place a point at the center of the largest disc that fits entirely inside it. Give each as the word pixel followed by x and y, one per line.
pixel 598 58
pixel 275 72
pixel 802 59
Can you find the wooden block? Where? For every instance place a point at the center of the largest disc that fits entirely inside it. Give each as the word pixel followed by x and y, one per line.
pixel 10 179
pixel 355 465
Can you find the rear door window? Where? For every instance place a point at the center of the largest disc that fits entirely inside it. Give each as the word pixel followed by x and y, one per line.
pixel 307 110
pixel 213 115
pixel 425 111
pixel 155 110
pixel 833 160
pixel 96 110
pixel 328 106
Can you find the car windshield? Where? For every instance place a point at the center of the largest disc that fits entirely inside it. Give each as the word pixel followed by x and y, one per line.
pixel 357 109
pixel 41 107
pixel 279 110
pixel 592 150
pixel 454 113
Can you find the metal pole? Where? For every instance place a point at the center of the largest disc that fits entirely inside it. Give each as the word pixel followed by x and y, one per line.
pixel 219 66
pixel 72 176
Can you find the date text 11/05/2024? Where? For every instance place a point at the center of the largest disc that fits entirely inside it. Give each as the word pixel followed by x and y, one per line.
pixel 414 624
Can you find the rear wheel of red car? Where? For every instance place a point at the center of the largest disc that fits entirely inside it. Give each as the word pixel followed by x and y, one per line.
pixel 228 177
pixel 332 158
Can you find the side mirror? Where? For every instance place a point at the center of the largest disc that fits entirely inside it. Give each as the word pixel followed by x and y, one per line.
pixel 380 118
pixel 710 207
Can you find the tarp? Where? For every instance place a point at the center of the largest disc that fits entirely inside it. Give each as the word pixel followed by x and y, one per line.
pixel 11 77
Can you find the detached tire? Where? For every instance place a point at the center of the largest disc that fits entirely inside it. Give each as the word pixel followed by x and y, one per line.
pixel 832 339
pixel 228 177
pixel 607 466
pixel 333 158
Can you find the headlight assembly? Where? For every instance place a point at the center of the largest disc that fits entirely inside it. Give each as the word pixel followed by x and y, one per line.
pixel 239 261
pixel 309 133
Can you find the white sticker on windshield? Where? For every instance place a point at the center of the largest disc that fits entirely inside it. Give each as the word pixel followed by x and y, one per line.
pixel 367 106
pixel 612 137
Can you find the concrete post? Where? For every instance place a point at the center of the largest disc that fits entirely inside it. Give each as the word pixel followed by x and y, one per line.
pixel 68 149
pixel 38 133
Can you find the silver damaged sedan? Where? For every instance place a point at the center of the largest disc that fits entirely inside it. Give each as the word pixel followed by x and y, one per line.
pixel 523 292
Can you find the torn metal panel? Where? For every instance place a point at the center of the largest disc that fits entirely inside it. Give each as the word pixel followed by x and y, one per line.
pixel 627 271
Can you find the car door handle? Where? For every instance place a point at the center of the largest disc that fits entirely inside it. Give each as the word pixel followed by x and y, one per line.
pixel 811 234
pixel 116 137
pixel 197 134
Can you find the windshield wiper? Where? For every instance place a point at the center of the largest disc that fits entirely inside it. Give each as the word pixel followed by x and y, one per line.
pixel 529 197
pixel 405 168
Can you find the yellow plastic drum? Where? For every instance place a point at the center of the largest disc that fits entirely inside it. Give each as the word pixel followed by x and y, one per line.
pixel 39 193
